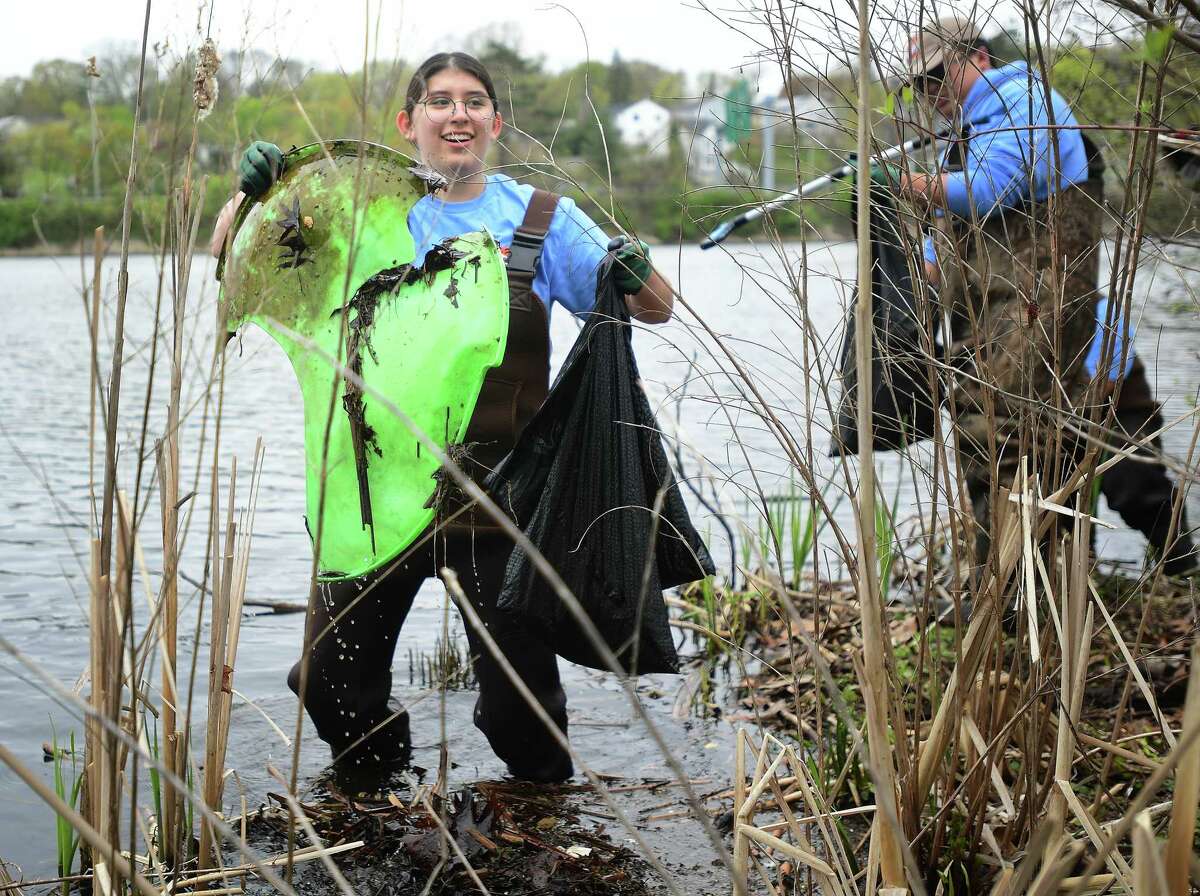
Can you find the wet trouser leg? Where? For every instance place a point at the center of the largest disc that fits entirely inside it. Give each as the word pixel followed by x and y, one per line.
pixel 348 694
pixel 1142 493
pixel 512 728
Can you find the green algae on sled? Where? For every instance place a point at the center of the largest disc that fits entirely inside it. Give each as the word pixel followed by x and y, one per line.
pixel 325 264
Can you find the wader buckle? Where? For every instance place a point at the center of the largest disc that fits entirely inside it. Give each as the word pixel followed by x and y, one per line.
pixel 524 252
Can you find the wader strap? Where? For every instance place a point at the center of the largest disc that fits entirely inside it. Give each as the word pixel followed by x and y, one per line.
pixel 527 242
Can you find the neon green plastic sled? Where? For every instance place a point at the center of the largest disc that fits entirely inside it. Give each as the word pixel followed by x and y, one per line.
pixel 324 263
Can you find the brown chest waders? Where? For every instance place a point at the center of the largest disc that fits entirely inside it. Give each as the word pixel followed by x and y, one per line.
pixel 1023 321
pixel 512 392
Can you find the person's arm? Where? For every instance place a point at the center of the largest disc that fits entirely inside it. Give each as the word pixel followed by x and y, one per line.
pixel 224 222
pixel 653 303
pixel 575 247
pixel 259 167
pixel 933 275
pixel 1003 147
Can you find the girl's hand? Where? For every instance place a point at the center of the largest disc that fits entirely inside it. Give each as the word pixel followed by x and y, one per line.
pixel 633 265
pixel 648 296
pixel 261 165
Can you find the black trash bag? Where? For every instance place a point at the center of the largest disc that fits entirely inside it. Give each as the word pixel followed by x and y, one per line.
pixel 904 407
pixel 582 483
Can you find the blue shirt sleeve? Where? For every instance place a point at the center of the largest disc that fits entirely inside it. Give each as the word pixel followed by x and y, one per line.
pixel 998 163
pixel 575 245
pixel 1122 343
pixel 929 252
pixel 1011 153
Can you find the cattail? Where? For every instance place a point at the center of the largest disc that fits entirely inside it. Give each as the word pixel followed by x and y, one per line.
pixel 204 92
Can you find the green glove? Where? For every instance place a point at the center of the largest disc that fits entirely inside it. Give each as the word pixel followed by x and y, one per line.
pixel 633 266
pixel 883 174
pixel 261 165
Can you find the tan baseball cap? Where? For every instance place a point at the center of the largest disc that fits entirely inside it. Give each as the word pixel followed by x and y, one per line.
pixel 950 35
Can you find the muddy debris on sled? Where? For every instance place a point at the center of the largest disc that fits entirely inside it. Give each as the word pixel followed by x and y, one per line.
pixel 515 838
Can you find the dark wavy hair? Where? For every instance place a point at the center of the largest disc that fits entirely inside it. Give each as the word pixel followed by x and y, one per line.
pixel 439 62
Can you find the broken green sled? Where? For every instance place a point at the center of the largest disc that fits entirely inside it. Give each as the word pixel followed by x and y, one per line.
pixel 330 278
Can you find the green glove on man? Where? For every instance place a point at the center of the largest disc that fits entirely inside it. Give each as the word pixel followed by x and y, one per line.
pixel 633 265
pixel 261 165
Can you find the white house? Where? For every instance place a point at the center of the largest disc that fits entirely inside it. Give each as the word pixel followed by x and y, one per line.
pixel 644 123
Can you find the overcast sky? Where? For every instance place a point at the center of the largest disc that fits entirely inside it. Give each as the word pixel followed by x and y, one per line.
pixel 687 35
pixel 675 34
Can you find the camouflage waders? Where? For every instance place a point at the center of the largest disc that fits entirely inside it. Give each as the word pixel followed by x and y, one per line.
pixel 1023 321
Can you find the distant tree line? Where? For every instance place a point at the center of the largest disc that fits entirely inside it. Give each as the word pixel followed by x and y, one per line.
pixel 65 134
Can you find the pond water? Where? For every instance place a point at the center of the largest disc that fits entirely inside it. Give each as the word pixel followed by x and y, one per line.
pixel 44 531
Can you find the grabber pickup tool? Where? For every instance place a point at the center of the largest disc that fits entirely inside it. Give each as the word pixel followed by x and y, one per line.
pixel 816 185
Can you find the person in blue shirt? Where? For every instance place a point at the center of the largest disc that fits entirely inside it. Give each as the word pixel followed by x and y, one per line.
pixel 552 250
pixel 1024 314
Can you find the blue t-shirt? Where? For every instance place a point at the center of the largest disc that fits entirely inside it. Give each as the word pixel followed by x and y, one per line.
pixel 1010 153
pixel 574 246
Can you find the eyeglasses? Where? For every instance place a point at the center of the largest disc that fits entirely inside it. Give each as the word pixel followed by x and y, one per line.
pixel 929 82
pixel 441 108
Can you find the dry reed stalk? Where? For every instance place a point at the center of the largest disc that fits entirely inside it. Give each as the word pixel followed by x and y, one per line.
pixel 997 780
pixel 826 878
pixel 94 365
pixel 1149 878
pixel 114 388
pixel 1116 862
pixel 1134 670
pixel 111 789
pixel 1179 854
pixel 975 645
pixel 233 583
pixel 1028 563
pixel 172 748
pixel 8 885
pixel 877 693
pixel 1074 646
pixel 127 666
pixel 95 743
pixel 305 854
pixel 741 848
pixel 838 879
pixel 218 673
pixel 106 657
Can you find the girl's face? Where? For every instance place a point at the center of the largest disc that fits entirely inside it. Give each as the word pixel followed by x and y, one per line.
pixel 454 125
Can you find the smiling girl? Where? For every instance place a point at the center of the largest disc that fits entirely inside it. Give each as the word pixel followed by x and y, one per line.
pixel 552 251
